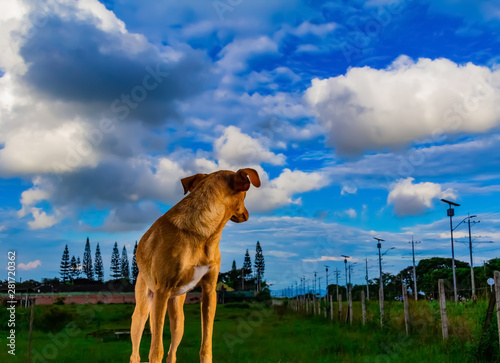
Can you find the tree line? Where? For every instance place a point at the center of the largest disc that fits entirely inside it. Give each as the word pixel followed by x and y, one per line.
pixel 428 271
pixel 247 277
pixel 72 269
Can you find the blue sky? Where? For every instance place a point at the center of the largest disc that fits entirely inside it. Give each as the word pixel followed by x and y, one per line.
pixel 359 116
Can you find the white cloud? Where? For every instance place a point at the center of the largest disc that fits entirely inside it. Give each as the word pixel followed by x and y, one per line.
pixel 30 197
pixel 348 189
pixel 41 219
pixel 413 199
pixel 106 19
pixel 351 213
pixel 281 254
pixel 371 109
pixel 319 30
pixel 50 121
pixel 235 56
pixel 239 149
pixel 30 265
pixel 279 192
pixel 29 150
pixel 2 228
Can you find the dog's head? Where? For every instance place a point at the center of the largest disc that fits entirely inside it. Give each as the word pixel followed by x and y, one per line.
pixel 231 187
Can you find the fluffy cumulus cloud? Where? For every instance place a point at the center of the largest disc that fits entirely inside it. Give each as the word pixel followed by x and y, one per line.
pixel 281 190
pixel 76 81
pixel 237 148
pixel 409 198
pixel 373 109
pixel 130 187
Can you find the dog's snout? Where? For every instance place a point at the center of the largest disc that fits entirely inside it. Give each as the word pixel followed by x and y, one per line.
pixel 239 218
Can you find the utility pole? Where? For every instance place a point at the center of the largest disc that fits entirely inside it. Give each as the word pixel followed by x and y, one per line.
pixel 451 213
pixel 345 264
pixel 337 274
pixel 319 285
pixel 314 283
pixel 379 246
pixel 366 277
pixel 413 243
pixel 381 287
pixel 327 279
pixel 350 269
pixel 471 261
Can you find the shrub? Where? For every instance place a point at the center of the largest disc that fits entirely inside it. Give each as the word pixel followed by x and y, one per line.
pixel 52 320
pixel 60 300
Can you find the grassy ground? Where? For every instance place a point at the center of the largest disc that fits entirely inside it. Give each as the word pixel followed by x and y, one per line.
pixel 253 333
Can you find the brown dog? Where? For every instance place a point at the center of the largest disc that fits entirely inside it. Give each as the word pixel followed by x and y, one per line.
pixel 181 251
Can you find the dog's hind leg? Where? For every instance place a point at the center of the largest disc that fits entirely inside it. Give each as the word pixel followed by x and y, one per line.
pixel 157 320
pixel 143 302
pixel 176 317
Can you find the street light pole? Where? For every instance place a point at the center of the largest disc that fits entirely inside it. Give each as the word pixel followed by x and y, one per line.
pixel 381 288
pixel 451 213
pixel 345 264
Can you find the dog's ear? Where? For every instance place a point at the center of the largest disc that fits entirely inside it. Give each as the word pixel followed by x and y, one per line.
pixel 191 182
pixel 240 179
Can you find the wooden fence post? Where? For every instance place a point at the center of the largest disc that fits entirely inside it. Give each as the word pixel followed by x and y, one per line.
pixel 350 307
pixel 363 307
pixel 497 295
pixel 340 307
pixel 30 334
pixel 407 311
pixel 442 304
pixel 331 307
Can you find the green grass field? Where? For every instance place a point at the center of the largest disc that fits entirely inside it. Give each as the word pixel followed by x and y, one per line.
pixel 255 333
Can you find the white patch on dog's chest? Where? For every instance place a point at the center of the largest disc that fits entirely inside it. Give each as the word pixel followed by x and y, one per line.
pixel 199 272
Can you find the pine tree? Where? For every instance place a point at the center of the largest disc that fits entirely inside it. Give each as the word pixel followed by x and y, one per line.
pixel 116 268
pixel 124 264
pixel 99 266
pixel 65 266
pixel 87 261
pixel 135 269
pixel 247 267
pixel 259 264
pixel 73 269
pixel 234 274
pixel 78 267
